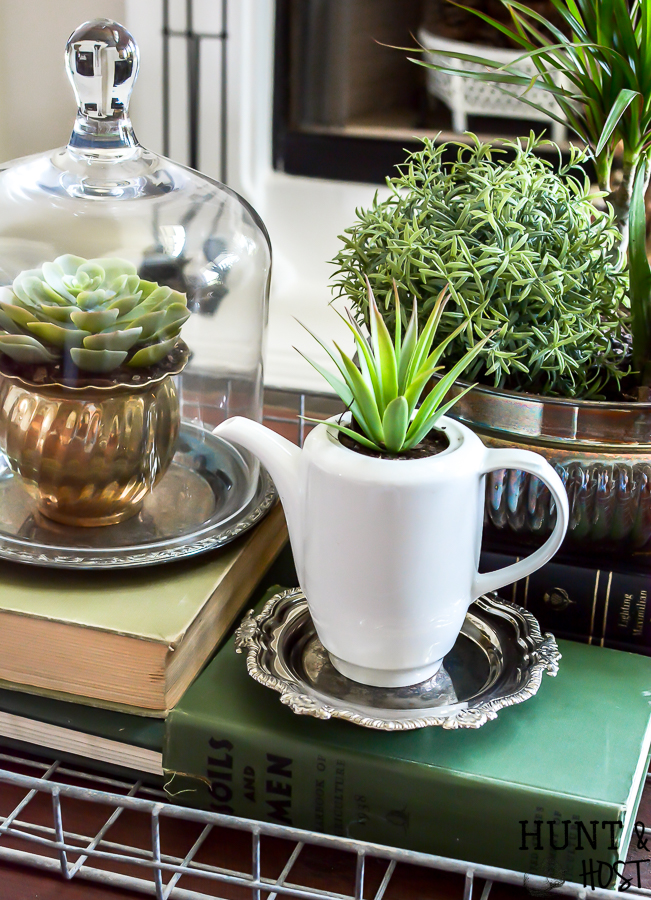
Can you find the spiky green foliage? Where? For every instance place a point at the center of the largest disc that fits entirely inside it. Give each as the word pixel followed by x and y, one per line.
pixel 96 312
pixel 384 390
pixel 525 254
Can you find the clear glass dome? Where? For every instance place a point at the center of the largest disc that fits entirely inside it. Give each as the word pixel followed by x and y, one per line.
pixel 103 195
pixel 106 196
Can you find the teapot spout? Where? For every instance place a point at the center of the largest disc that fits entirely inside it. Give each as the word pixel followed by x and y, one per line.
pixel 281 458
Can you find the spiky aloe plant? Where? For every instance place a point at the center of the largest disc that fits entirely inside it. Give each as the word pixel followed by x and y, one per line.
pixel 384 390
pixel 96 313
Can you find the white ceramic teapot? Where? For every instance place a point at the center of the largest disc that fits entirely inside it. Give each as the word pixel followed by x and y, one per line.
pixel 386 550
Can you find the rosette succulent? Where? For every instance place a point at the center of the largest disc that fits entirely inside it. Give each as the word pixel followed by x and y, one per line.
pixel 97 312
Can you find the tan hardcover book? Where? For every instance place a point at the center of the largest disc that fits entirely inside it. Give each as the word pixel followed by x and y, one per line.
pixel 128 639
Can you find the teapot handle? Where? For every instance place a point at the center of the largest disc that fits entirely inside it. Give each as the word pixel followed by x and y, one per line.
pixel 534 464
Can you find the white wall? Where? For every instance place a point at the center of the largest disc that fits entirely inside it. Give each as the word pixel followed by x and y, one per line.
pixel 37 106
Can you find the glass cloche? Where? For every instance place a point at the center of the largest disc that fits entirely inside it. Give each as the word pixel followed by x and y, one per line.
pixel 105 196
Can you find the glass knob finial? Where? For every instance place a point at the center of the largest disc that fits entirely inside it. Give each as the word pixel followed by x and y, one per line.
pixel 102 62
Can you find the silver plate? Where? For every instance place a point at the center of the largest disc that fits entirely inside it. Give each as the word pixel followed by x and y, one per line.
pixel 498 660
pixel 204 500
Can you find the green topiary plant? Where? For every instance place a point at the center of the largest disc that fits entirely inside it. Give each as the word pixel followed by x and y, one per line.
pixel 97 313
pixel 525 254
pixel 383 390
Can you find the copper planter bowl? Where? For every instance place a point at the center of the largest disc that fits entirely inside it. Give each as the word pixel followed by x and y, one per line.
pixel 601 450
pixel 91 454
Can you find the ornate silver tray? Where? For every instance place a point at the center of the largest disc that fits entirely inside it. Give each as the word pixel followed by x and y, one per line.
pixel 498 660
pixel 208 497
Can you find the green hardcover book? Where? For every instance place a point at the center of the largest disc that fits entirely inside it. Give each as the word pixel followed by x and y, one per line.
pixel 130 640
pixel 111 741
pixel 575 753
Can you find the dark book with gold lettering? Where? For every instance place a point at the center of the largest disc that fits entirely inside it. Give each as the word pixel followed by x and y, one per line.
pixel 599 600
pixel 575 753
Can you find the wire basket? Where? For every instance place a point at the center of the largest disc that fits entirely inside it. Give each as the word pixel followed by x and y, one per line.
pixel 121 834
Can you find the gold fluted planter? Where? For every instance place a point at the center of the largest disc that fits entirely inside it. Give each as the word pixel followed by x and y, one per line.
pixel 91 454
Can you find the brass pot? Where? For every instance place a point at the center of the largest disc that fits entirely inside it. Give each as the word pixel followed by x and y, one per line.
pixel 601 450
pixel 90 454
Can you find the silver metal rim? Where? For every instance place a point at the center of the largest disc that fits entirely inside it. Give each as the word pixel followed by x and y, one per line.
pixel 592 426
pixel 20 550
pixel 537 654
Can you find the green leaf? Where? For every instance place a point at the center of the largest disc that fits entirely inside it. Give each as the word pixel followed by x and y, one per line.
pixel 58 313
pixel 363 395
pixel 427 424
pixel 338 363
pixel 125 304
pixel 69 263
pixel 513 35
pixel 398 324
pixel 17 314
pixel 57 335
pixel 429 331
pixel 175 316
pixel 367 362
pixel 7 324
pixel 113 340
pixel 360 438
pixel 495 76
pixel 623 101
pixel 408 348
pixel 385 357
pixel 437 394
pixel 417 385
pixel 97 360
pixel 394 424
pixel 25 349
pixel 95 320
pixel 639 273
pixel 149 322
pixel 53 275
pixel 338 386
pixel 149 356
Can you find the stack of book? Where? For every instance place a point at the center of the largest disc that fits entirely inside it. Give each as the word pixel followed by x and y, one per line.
pixel 108 648
pixel 117 671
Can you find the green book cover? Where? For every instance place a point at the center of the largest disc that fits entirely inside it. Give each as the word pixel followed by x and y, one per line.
pixel 134 639
pixel 115 742
pixel 575 753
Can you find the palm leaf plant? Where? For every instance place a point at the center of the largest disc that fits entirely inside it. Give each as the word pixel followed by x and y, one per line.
pixel 599 71
pixel 383 391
